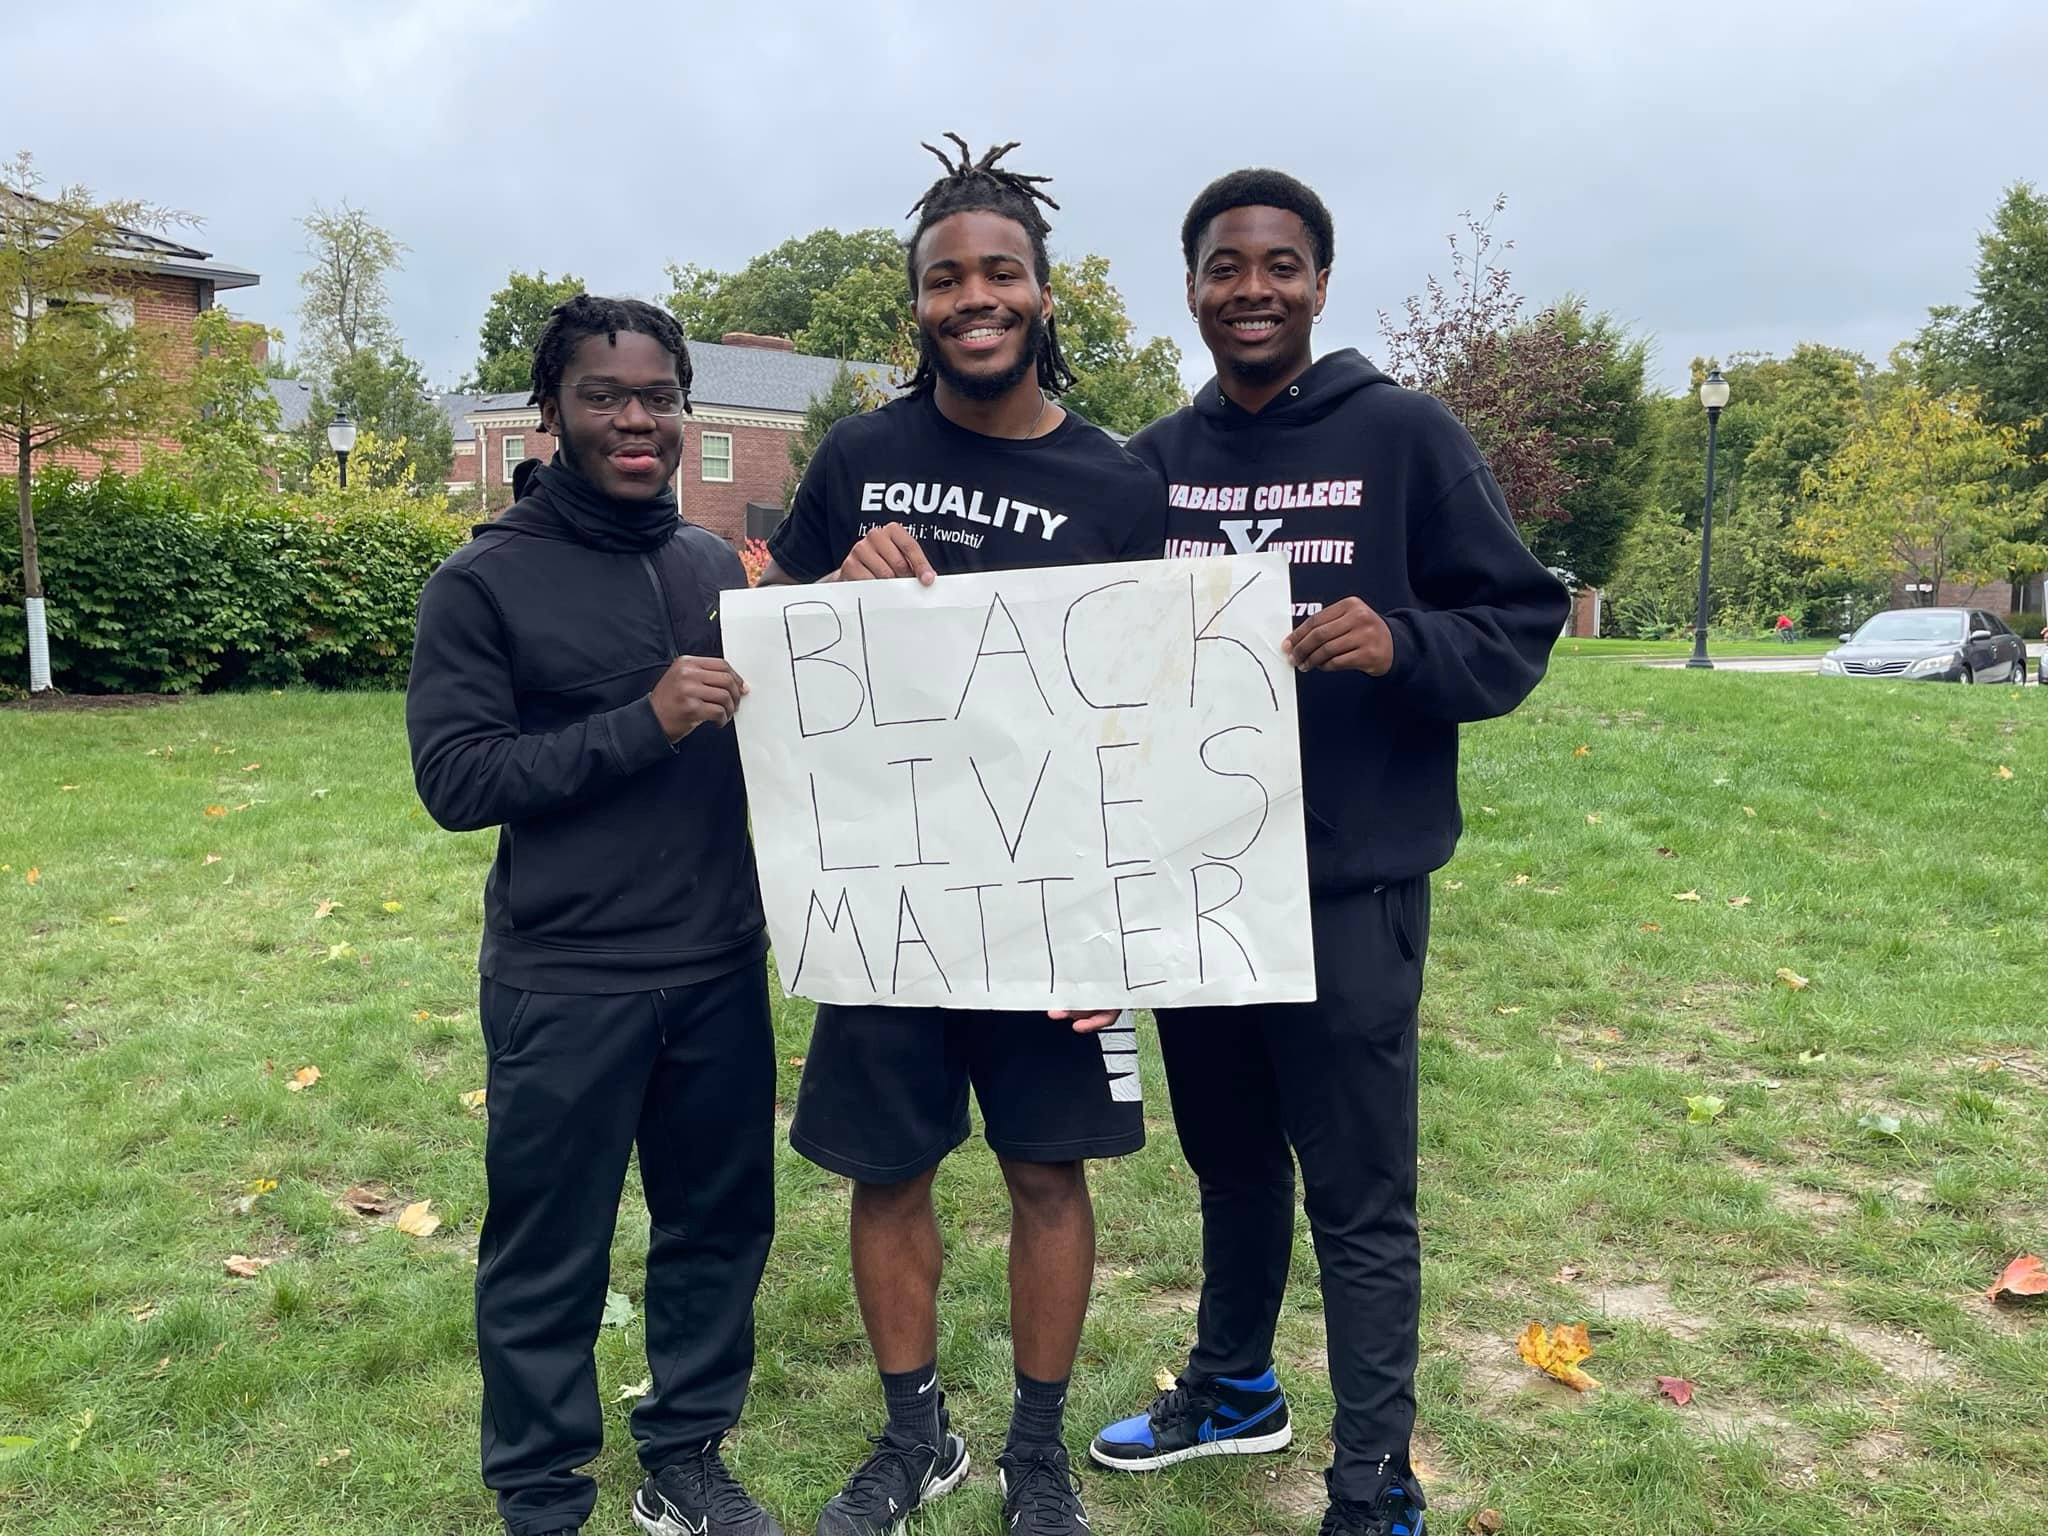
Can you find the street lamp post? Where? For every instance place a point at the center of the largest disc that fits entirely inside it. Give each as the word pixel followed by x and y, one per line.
pixel 1713 395
pixel 341 437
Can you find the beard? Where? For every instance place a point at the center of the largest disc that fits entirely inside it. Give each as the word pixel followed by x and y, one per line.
pixel 1258 370
pixel 990 386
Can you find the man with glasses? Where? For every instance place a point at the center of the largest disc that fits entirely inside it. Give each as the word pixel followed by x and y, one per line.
pixel 568 689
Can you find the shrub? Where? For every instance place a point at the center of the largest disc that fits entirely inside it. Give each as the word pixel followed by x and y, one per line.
pixel 2026 625
pixel 150 591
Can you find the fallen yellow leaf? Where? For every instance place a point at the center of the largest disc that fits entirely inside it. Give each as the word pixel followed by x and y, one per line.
pixel 1558 1353
pixel 211 858
pixel 1738 901
pixel 250 767
pixel 1521 880
pixel 1749 810
pixel 1454 885
pixel 339 951
pixel 474 1099
pixel 421 1017
pixel 419 1220
pixel 1582 750
pixel 1685 895
pixel 636 1390
pixel 303 1079
pixel 67 786
pixel 1651 927
pixel 243 1267
pixel 2004 772
pixel 1164 1379
pixel 1592 820
pixel 1508 1010
pixel 325 909
pixel 216 810
pixel 34 876
pixel 394 906
pixel 1792 978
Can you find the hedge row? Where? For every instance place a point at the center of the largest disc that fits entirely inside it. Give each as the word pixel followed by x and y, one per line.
pixel 148 591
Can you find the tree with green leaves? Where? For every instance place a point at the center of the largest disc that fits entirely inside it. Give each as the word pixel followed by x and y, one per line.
pixel 1607 447
pixel 1118 384
pixel 861 317
pixel 386 395
pixel 518 313
pixel 74 373
pixel 344 309
pixel 228 418
pixel 774 294
pixel 1997 345
pixel 842 398
pixel 1926 485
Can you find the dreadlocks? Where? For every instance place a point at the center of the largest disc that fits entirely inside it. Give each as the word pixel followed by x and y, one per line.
pixel 587 315
pixel 983 186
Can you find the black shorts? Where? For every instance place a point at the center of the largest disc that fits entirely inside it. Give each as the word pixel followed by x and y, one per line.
pixel 884 1093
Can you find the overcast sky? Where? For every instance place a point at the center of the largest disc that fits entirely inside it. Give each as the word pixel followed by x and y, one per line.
pixel 1723 177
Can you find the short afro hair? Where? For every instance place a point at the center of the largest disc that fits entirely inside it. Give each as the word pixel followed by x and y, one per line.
pixel 586 315
pixel 1259 189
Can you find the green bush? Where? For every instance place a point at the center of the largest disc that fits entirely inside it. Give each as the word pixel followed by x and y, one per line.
pixel 2026 625
pixel 152 592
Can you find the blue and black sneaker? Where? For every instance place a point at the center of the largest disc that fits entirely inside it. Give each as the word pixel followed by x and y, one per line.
pixel 1222 1417
pixel 1397 1512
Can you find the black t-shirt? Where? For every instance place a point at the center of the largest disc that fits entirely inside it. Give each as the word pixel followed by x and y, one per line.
pixel 973 503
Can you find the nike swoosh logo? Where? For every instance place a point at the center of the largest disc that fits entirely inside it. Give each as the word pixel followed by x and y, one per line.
pixel 929 1385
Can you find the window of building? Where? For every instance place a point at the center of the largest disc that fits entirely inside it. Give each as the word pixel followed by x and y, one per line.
pixel 515 450
pixel 717 455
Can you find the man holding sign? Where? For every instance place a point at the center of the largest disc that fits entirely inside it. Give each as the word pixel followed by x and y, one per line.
pixel 1418 607
pixel 976 468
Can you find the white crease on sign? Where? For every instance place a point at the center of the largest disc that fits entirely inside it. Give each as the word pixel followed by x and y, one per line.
pixel 957 798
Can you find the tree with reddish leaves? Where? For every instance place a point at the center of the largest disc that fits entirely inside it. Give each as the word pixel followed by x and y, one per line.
pixel 1528 388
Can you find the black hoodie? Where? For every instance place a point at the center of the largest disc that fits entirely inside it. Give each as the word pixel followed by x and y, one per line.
pixel 1374 491
pixel 623 862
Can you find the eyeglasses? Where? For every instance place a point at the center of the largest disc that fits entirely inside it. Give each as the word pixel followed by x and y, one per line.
pixel 610 399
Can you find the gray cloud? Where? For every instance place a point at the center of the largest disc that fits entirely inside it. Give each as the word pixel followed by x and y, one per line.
pixel 1723 177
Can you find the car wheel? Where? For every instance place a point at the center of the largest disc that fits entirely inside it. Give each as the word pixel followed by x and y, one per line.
pixel 1969 676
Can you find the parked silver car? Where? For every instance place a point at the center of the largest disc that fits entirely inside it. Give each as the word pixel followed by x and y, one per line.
pixel 1937 645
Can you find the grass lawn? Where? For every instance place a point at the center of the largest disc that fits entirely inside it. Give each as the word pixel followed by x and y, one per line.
pixel 170 969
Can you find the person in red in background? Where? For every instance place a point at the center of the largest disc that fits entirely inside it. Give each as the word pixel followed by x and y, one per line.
pixel 1785 627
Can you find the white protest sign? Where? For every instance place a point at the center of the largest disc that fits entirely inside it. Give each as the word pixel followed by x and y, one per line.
pixel 1072 787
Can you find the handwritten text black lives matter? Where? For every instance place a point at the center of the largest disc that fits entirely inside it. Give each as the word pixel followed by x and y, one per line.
pixel 1030 788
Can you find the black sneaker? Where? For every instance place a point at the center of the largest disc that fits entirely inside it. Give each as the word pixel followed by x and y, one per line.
pixel 699 1497
pixel 1398 1513
pixel 1224 1417
pixel 1041 1495
pixel 892 1484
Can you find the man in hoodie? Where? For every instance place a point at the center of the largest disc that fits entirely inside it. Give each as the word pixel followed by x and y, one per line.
pixel 568 689
pixel 1417 608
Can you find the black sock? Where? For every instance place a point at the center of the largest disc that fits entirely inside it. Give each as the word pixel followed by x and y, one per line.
pixel 913 1399
pixel 1038 1415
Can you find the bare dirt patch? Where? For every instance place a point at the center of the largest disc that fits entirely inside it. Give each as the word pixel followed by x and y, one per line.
pixel 1493 1369
pixel 1896 1352
pixel 1173 1301
pixel 1650 1304
pixel 1813 1204
pixel 1878 1451
pixel 1444 1482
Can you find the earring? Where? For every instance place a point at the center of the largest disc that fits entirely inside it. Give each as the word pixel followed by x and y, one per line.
pixel 1319 318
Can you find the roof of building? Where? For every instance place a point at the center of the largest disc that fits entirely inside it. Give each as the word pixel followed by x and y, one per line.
pixel 458 408
pixel 294 402
pixel 747 378
pixel 154 253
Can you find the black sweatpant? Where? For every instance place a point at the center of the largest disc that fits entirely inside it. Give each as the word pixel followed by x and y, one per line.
pixel 575 1081
pixel 1335 1080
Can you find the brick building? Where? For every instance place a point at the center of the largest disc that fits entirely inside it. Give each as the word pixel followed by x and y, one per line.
pixel 748 396
pixel 158 284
